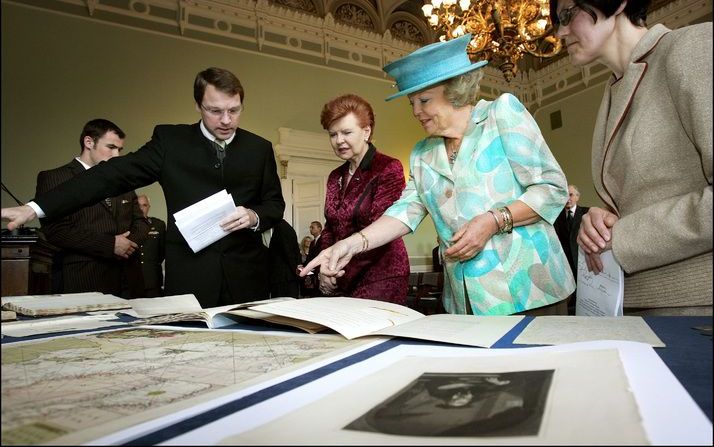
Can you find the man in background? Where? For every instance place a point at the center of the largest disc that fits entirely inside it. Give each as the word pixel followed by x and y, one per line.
pixel 97 243
pixel 192 162
pixel 315 245
pixel 152 252
pixel 309 286
pixel 566 227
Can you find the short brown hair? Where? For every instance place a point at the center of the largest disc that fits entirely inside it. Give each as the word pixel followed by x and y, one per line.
pixel 222 79
pixel 342 106
pixel 96 129
pixel 635 10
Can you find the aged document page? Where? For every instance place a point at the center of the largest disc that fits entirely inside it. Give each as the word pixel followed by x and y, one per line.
pixel 355 317
pixel 179 308
pixel 556 330
pixel 466 330
pixel 351 317
pixel 66 323
pixel 63 303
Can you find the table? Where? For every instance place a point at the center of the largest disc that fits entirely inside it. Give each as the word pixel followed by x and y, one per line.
pixel 688 355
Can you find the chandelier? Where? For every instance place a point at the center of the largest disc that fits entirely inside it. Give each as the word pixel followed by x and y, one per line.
pixel 502 30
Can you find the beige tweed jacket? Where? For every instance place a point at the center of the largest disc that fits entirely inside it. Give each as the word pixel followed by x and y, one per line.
pixel 652 165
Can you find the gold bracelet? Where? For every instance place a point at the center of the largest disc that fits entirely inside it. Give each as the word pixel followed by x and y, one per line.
pixel 498 224
pixel 365 242
pixel 507 219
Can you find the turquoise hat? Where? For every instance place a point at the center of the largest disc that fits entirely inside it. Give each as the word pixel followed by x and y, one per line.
pixel 430 65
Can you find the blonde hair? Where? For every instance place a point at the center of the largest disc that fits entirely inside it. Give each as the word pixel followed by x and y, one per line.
pixel 304 249
pixel 463 90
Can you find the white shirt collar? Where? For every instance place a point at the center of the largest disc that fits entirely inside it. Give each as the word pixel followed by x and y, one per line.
pixel 86 166
pixel 572 210
pixel 212 137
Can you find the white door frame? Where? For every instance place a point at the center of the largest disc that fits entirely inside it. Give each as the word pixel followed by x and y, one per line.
pixel 306 160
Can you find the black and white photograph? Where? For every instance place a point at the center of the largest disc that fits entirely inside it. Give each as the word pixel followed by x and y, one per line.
pixel 463 404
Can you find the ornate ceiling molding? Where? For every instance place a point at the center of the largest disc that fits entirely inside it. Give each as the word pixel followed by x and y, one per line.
pixel 357 36
pixel 357 13
pixel 561 79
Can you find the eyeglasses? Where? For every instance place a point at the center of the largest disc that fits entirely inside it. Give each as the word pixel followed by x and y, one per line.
pixel 218 113
pixel 566 15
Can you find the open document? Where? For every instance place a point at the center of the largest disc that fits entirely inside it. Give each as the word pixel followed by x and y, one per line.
pixel 351 317
pixel 600 295
pixel 357 317
pixel 198 223
pixel 185 308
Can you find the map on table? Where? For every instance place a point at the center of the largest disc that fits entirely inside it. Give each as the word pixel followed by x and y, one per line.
pixel 57 387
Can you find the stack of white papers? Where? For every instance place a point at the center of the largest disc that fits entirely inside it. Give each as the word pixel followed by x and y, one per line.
pixel 198 223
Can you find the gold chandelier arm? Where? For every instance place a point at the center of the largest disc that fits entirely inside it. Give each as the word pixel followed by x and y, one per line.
pixel 551 47
pixel 503 30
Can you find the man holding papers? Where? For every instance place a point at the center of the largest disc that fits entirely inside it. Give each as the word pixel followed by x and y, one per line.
pixel 193 162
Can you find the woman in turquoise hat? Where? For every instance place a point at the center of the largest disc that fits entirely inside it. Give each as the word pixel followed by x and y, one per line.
pixel 489 182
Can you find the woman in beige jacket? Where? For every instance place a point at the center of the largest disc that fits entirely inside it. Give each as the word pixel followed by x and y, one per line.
pixel 651 153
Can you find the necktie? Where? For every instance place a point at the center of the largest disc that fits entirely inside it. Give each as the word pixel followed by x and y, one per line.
pixel 569 217
pixel 220 146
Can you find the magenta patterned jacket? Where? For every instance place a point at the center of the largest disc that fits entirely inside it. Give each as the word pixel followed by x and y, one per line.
pixel 380 273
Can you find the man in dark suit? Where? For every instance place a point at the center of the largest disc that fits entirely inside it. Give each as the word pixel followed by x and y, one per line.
pixel 284 259
pixel 437 263
pixel 152 252
pixel 192 162
pixel 566 227
pixel 98 242
pixel 315 245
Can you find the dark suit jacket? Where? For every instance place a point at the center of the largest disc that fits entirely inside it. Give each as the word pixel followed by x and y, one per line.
pixel 315 249
pixel 153 252
pixel 184 162
pixel 86 238
pixel 568 236
pixel 284 259
pixel 381 273
pixel 436 264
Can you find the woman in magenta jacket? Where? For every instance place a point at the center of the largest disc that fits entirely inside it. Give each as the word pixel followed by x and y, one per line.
pixel 357 194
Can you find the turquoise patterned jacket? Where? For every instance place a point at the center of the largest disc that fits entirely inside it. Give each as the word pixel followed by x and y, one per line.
pixel 503 157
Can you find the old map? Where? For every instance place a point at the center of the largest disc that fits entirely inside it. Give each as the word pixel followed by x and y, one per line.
pixel 63 386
